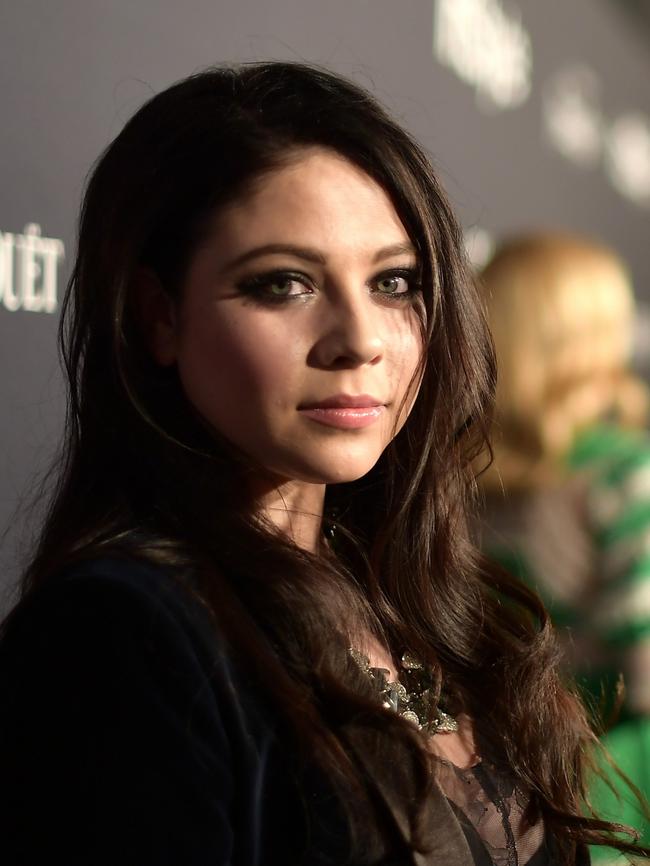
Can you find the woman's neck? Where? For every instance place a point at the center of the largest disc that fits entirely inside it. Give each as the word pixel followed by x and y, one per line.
pixel 295 508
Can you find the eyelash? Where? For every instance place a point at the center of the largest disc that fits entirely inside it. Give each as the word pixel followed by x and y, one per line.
pixel 256 287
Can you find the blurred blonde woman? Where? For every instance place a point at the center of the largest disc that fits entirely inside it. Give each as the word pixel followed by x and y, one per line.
pixel 568 494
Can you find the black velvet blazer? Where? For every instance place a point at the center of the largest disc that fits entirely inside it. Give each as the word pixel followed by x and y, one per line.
pixel 128 736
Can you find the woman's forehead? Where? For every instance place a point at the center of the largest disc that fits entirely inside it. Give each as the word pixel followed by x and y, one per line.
pixel 318 199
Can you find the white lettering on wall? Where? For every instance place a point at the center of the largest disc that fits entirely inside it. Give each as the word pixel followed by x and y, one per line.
pixel 627 157
pixel 572 117
pixel 487 48
pixel 577 127
pixel 29 266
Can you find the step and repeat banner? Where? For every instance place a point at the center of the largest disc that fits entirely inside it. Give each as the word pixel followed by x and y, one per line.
pixel 537 115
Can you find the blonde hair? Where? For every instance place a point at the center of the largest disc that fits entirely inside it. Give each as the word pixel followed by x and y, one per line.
pixel 561 311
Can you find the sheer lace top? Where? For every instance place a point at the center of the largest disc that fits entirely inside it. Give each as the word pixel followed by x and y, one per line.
pixel 487 801
pixel 491 810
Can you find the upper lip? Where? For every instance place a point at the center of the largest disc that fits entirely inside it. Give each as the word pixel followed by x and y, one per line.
pixel 344 401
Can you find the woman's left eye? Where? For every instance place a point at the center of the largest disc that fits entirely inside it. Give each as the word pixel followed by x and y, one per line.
pixel 396 283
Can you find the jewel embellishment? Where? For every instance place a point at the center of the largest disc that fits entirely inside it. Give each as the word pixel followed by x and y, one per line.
pixel 415 703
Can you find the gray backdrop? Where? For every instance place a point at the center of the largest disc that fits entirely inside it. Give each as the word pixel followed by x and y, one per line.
pixel 536 113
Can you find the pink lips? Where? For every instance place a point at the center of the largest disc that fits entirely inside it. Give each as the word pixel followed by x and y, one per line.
pixel 345 411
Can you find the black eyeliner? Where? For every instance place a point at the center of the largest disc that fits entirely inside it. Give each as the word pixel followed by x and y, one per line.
pixel 253 287
pixel 410 274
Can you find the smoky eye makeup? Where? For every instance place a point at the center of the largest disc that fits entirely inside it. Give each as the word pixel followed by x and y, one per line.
pixel 276 286
pixel 285 285
pixel 397 284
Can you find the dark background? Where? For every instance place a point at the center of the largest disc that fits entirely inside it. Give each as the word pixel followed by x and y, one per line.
pixel 73 71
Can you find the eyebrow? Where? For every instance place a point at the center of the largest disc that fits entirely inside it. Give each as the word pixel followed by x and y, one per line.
pixel 311 255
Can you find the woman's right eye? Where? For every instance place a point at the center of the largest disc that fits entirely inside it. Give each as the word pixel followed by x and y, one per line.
pixel 276 286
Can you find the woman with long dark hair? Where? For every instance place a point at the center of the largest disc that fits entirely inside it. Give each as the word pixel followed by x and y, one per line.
pixel 254 629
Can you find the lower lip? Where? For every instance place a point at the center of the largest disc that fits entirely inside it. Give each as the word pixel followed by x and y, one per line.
pixel 348 418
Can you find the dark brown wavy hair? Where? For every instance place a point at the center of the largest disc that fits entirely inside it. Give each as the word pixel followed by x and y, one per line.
pixel 141 475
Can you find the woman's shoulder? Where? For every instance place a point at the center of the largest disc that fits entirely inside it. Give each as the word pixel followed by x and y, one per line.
pixel 118 596
pixel 124 576
pixel 91 615
pixel 119 706
pixel 115 586
pixel 125 647
pixel 108 626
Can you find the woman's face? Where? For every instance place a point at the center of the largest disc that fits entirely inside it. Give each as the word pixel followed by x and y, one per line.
pixel 297 332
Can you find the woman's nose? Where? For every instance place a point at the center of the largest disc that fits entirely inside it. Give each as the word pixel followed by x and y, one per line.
pixel 349 332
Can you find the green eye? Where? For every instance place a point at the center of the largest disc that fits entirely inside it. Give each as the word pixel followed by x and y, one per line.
pixel 279 288
pixel 398 284
pixel 393 284
pixel 276 286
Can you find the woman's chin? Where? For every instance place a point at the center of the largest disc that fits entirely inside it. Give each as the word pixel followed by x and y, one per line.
pixel 341 470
